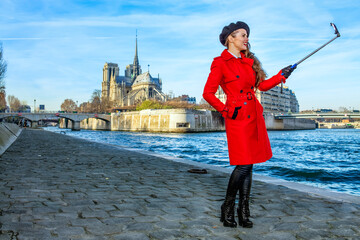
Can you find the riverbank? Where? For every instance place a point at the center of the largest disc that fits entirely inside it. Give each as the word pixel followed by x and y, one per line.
pixel 59 187
pixel 8 134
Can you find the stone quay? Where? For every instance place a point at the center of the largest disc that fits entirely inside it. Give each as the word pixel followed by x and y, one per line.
pixel 55 186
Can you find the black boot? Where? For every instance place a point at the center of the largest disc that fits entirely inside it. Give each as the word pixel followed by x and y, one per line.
pixel 244 197
pixel 244 214
pixel 235 183
pixel 227 214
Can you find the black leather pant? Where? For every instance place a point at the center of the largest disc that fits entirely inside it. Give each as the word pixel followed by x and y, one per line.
pixel 240 180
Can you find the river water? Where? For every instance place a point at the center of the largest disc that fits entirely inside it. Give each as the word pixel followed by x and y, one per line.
pixel 326 158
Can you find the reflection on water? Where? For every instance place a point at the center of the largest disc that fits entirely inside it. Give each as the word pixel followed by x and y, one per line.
pixel 328 158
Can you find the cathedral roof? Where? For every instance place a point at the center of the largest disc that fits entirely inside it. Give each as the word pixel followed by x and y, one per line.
pixel 120 79
pixel 146 78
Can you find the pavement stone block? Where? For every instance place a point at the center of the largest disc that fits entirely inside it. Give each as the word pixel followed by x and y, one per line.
pixel 196 232
pixel 69 232
pixel 104 230
pixel 174 217
pixel 320 217
pixel 315 234
pixel 344 232
pixel 166 235
pixel 199 223
pixel 16 226
pixel 142 227
pixel 317 225
pixel 131 236
pixel 94 214
pixel 149 219
pixel 123 213
pixel 82 222
pixel 279 236
pixel 168 225
pixel 286 226
pixel 51 224
pixel 222 238
pixel 175 210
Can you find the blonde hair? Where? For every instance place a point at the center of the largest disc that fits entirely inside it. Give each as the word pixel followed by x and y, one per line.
pixel 257 67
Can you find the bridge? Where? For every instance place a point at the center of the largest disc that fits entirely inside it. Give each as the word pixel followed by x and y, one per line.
pixel 319 115
pixel 75 118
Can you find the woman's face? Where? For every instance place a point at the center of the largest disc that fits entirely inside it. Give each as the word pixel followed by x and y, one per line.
pixel 239 39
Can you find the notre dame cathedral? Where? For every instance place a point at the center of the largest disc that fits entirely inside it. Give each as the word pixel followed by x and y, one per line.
pixel 132 88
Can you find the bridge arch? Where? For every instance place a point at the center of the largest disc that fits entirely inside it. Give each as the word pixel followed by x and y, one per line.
pixel 74 118
pixel 96 123
pixel 19 120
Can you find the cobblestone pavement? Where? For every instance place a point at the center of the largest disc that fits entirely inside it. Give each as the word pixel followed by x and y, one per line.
pixel 57 187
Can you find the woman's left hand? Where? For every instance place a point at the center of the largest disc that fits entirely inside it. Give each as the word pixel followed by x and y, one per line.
pixel 286 72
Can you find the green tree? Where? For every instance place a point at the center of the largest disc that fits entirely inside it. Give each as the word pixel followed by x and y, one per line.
pixel 149 104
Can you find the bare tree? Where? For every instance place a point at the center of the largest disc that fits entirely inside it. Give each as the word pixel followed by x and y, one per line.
pixel 96 105
pixel 85 107
pixel 68 105
pixel 106 105
pixel 2 101
pixel 96 94
pixel 344 109
pixel 14 103
pixel 3 67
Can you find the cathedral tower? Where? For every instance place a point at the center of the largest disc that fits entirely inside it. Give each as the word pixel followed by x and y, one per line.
pixel 110 70
pixel 136 67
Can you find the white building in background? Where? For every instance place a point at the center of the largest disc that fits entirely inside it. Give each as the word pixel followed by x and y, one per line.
pixel 273 101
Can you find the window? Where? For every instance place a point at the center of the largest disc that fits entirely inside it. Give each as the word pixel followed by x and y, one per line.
pixel 183 125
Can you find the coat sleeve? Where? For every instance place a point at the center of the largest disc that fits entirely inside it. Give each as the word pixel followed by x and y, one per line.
pixel 212 85
pixel 266 85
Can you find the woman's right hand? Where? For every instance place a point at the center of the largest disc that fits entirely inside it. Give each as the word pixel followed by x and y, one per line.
pixel 228 112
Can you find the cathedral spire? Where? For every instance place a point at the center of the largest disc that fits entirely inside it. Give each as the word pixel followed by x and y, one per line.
pixel 136 66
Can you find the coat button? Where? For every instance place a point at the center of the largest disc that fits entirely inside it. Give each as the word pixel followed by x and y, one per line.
pixel 248 116
pixel 237 76
pixel 241 91
pixel 245 103
pixel 252 87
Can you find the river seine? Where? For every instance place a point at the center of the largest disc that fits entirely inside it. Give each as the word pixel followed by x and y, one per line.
pixel 326 158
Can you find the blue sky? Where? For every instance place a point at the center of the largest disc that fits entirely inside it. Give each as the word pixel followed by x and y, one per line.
pixel 57 49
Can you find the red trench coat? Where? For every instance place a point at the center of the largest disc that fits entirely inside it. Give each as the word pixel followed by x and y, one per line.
pixel 248 142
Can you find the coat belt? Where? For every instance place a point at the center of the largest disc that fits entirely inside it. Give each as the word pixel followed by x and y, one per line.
pixel 248 94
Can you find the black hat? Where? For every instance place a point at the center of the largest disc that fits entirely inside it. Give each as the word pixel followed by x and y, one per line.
pixel 227 30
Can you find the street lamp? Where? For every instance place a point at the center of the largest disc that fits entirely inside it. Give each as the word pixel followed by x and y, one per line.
pixel 34 105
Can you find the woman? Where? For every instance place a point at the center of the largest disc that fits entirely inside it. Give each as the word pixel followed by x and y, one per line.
pixel 239 73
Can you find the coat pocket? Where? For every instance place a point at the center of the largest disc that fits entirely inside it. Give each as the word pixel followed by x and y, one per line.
pixel 236 112
pixel 229 80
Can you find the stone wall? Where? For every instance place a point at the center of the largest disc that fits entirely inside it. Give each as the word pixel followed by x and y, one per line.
pixel 168 120
pixel 179 120
pixel 339 125
pixel 288 123
pixel 95 124
pixel 8 134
